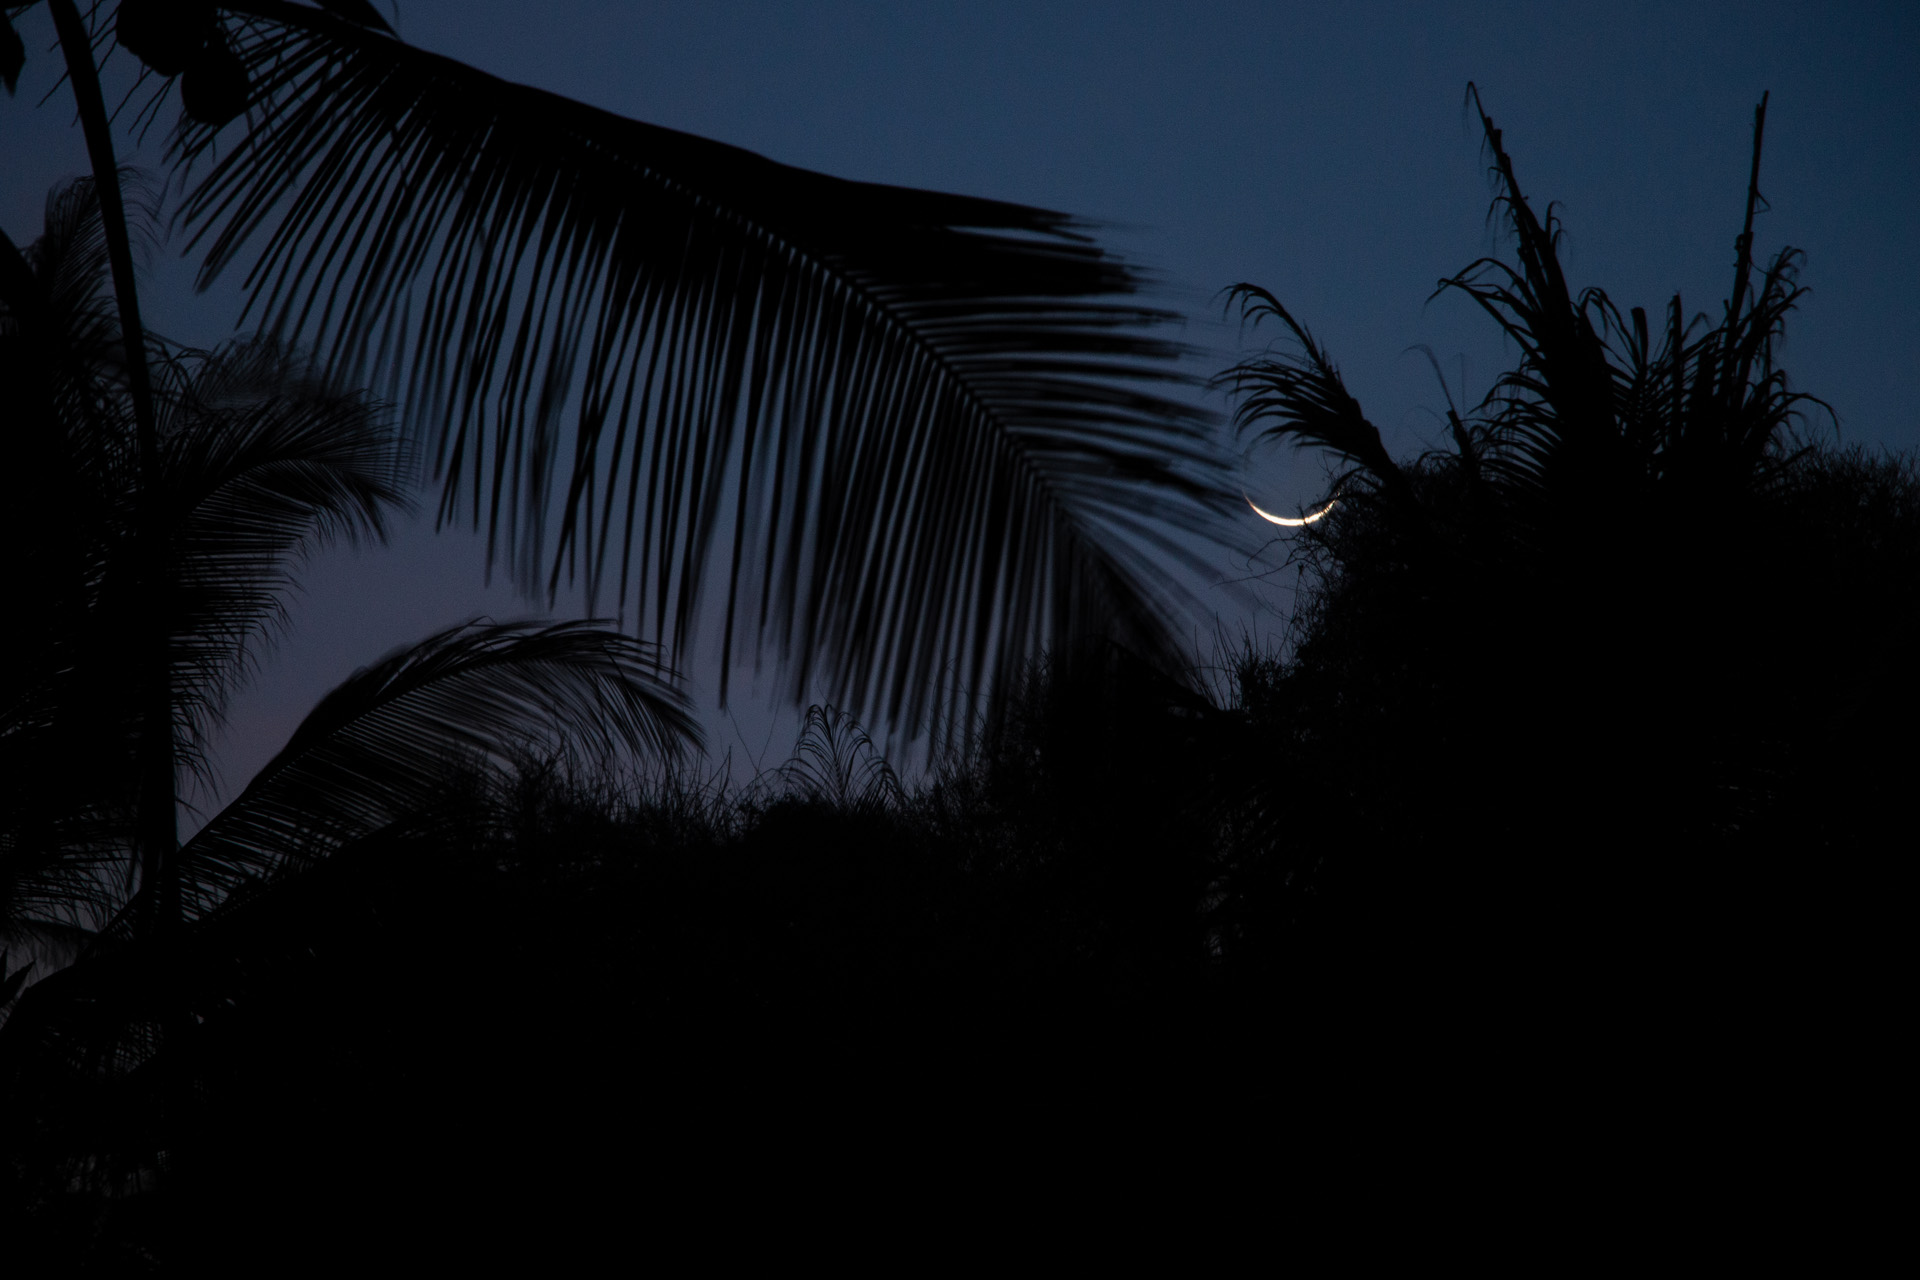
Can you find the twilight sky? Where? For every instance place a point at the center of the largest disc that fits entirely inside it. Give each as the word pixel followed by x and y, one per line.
pixel 1323 152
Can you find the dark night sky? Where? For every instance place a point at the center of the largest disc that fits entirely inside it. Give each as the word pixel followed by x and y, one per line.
pixel 1323 152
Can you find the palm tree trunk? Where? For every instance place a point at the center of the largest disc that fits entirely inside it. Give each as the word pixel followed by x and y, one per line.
pixel 158 824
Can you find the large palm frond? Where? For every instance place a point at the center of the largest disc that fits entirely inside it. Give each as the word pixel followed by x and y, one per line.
pixel 922 431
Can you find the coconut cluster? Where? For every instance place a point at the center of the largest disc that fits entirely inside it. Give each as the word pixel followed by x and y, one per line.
pixel 186 38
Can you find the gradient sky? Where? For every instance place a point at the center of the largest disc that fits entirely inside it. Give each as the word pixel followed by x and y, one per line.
pixel 1323 152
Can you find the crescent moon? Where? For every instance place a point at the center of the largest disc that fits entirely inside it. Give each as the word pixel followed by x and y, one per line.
pixel 1289 521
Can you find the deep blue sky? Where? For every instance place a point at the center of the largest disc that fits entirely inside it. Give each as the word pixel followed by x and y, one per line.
pixel 1323 152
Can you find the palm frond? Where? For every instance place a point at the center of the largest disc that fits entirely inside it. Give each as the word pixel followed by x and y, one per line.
pixel 263 460
pixel 1302 398
pixel 63 863
pixel 896 425
pixel 1557 406
pixel 398 736
pixel 57 312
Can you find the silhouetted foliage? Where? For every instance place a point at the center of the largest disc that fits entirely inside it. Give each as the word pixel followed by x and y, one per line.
pixel 664 350
pixel 187 548
pixel 1581 716
pixel 259 459
pixel 937 417
pixel 1574 760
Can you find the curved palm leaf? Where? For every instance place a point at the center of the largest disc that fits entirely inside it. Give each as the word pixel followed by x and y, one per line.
pixel 391 742
pixel 918 429
pixel 1303 398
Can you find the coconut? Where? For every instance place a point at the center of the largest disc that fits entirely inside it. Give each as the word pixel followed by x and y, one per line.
pixel 214 89
pixel 165 34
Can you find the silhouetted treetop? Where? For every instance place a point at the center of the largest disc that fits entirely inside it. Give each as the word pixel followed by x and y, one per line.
pixel 1552 676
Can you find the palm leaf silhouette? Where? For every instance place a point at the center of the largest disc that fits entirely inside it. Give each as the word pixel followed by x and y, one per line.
pixel 1302 398
pixel 262 461
pixel 835 762
pixel 916 435
pixel 399 736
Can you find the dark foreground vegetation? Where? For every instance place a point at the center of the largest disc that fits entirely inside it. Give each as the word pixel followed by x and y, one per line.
pixel 1143 947
pixel 1560 832
pixel 1460 903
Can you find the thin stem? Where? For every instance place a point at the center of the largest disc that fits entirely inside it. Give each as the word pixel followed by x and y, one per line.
pixel 159 830
pixel 1744 246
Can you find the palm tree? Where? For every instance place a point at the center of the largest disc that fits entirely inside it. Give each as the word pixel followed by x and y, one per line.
pixel 926 432
pixel 186 481
pixel 257 458
pixel 917 436
pixel 922 428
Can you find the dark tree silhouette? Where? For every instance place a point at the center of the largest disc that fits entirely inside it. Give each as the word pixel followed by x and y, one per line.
pixel 1569 752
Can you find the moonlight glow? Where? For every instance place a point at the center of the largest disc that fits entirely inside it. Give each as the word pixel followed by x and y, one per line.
pixel 1289 521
